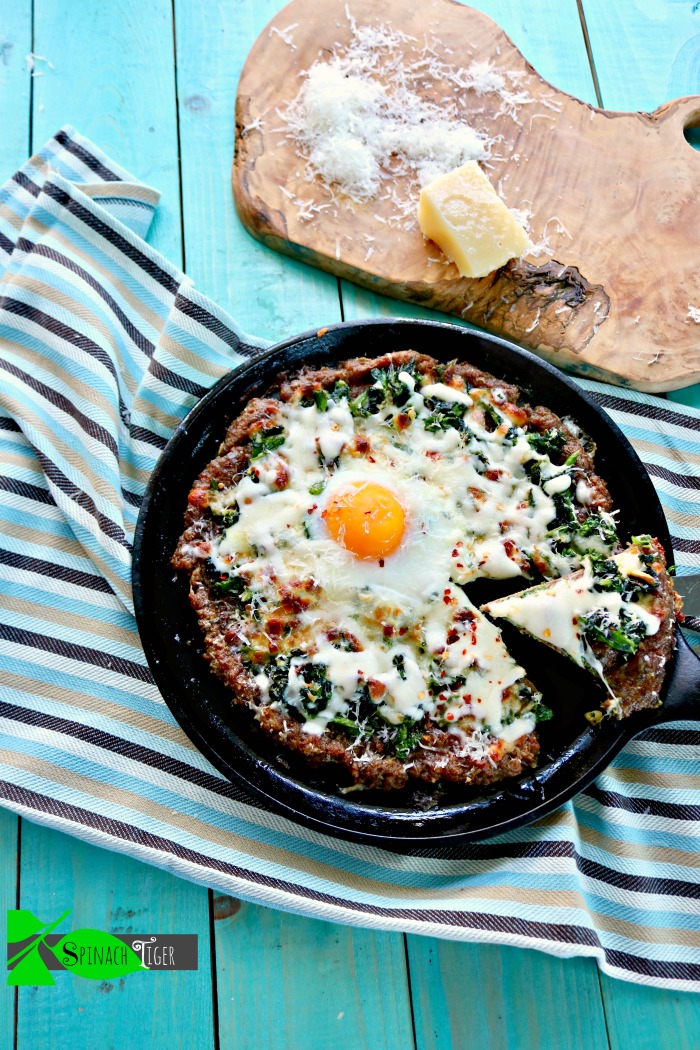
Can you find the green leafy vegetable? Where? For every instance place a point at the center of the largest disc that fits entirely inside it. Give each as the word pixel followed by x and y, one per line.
pixel 550 443
pixel 625 635
pixel 407 737
pixel 600 525
pixel 346 723
pixel 321 400
pixel 607 577
pixel 541 712
pixel 396 392
pixel 234 587
pixel 444 415
pixel 367 403
pixel 400 665
pixel 264 441
pixel 318 689
pixel 492 414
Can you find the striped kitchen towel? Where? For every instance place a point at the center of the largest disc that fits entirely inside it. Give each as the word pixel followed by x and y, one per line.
pixel 104 346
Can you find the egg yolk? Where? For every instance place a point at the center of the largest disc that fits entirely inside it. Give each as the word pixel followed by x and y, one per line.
pixel 366 519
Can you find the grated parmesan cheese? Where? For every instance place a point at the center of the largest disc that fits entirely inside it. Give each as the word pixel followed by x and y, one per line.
pixel 376 111
pixel 693 313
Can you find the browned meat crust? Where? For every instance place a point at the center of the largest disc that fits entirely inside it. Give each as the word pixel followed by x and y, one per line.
pixel 637 681
pixel 441 757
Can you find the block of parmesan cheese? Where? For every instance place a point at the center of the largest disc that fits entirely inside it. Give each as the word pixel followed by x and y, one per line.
pixel 467 219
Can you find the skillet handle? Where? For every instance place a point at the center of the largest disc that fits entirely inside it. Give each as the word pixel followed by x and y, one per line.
pixel 683 697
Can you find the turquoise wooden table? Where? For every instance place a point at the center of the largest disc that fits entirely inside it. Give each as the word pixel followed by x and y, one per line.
pixel 153 82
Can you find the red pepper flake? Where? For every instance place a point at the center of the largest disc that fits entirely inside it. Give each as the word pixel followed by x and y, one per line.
pixel 403 630
pixel 387 630
pixel 449 716
pixel 453 636
pixel 455 553
pixel 381 563
pixel 376 689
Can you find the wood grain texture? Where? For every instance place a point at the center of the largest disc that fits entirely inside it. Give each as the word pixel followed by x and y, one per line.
pixel 114 80
pixel 643 53
pixel 109 891
pixel 606 306
pixel 269 296
pixel 9 825
pixel 641 1018
pixel 475 996
pixel 288 983
pixel 550 37
pixel 15 85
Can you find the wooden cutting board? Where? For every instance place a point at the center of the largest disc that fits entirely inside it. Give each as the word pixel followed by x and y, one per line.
pixel 614 201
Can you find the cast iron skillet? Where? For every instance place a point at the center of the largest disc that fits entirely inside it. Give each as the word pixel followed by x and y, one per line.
pixel 573 752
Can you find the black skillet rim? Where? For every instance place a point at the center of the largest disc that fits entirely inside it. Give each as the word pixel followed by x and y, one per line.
pixel 399 830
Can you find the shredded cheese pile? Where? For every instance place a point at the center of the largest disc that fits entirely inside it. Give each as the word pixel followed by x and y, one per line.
pixel 389 106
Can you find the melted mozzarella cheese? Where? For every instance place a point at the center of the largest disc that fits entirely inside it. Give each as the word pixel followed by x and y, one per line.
pixel 471 511
pixel 552 612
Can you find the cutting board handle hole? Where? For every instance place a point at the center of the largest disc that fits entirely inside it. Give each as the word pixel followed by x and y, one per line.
pixel 691 131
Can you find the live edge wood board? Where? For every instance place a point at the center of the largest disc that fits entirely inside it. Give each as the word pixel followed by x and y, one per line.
pixel 616 196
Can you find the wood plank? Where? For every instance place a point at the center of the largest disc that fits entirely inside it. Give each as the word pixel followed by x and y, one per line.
pixel 108 891
pixel 289 983
pixel 268 295
pixel 550 37
pixel 15 85
pixel 9 826
pixel 472 996
pixel 642 1018
pixel 645 53
pixel 113 79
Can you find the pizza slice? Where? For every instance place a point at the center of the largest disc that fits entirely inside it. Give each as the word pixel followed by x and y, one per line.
pixel 615 617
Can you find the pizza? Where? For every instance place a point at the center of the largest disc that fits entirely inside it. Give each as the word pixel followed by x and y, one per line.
pixel 330 548
pixel 615 617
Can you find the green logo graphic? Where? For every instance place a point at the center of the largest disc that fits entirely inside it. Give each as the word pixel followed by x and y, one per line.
pixel 88 953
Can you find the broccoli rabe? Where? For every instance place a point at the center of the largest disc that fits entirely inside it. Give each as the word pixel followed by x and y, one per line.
pixel 624 635
pixel 549 443
pixel 264 441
